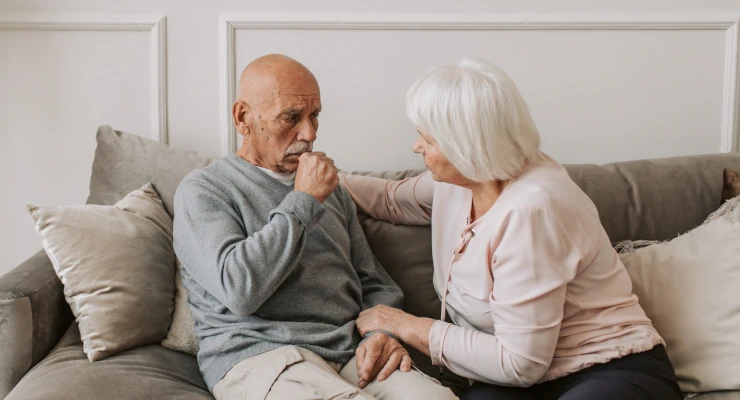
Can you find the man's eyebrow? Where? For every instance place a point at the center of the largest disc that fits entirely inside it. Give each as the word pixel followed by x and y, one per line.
pixel 291 112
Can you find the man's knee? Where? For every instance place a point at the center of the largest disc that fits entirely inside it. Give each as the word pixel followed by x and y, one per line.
pixel 409 385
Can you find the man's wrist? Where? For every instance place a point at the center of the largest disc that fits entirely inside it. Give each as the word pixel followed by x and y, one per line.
pixel 389 334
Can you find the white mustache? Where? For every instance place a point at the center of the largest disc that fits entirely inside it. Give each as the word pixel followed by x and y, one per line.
pixel 299 148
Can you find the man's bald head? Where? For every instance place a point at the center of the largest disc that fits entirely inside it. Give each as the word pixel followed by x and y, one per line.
pixel 263 77
pixel 276 111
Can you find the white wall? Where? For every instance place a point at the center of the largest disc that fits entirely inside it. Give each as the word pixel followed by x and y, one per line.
pixel 606 81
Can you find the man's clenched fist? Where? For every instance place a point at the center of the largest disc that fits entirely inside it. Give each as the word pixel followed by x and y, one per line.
pixel 316 175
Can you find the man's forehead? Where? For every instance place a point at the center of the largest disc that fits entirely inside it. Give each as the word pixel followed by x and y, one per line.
pixel 271 89
pixel 287 101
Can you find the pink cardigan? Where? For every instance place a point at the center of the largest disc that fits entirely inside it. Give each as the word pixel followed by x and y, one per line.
pixel 534 287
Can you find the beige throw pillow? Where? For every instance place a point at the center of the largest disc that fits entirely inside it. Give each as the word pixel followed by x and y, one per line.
pixel 181 336
pixel 117 266
pixel 689 289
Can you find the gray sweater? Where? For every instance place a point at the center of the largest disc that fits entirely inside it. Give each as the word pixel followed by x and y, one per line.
pixel 266 266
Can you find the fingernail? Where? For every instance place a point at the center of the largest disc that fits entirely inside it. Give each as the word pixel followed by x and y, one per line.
pixel 365 376
pixel 381 377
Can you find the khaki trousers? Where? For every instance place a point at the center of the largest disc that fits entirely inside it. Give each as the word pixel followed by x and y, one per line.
pixel 293 372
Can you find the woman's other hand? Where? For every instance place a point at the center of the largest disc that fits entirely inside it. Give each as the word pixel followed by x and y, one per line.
pixel 382 317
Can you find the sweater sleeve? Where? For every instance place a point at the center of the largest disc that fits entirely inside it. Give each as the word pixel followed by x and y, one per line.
pixel 377 286
pixel 531 266
pixel 240 271
pixel 408 201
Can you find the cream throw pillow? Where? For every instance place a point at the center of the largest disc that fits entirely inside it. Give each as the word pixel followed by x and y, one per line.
pixel 117 266
pixel 689 289
pixel 181 336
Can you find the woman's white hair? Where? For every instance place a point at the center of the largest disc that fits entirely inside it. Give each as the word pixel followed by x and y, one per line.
pixel 476 113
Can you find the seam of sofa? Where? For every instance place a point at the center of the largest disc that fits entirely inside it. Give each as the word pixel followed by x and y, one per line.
pixel 18 295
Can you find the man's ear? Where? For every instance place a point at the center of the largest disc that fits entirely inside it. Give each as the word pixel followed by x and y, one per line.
pixel 240 113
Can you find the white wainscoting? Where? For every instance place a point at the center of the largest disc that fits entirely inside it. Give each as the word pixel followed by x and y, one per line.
pixel 154 24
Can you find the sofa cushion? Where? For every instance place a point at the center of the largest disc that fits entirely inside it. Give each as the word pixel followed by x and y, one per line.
pixel 654 199
pixel 125 162
pixel 149 372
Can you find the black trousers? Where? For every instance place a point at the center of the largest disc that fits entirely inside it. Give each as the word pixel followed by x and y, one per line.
pixel 640 376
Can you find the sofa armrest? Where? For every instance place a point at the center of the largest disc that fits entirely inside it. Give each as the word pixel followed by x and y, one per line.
pixel 33 317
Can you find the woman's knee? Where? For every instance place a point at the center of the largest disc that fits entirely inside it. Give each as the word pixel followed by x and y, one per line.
pixel 482 391
pixel 638 388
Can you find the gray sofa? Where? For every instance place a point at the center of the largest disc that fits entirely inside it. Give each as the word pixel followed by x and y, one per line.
pixel 40 349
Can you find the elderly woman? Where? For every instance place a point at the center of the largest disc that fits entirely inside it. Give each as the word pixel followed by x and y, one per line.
pixel 542 306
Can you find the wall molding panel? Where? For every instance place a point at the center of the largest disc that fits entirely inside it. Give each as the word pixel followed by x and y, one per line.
pixel 154 24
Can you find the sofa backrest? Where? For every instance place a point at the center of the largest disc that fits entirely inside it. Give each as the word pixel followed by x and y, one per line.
pixel 654 199
pixel 647 199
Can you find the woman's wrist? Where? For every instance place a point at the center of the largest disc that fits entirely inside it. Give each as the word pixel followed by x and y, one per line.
pixel 416 333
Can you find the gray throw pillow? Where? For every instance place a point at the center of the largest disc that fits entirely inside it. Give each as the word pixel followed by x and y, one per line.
pixel 125 162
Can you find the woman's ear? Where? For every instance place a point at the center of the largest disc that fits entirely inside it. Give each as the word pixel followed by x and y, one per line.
pixel 240 113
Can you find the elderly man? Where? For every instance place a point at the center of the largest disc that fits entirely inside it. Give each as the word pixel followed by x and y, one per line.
pixel 276 264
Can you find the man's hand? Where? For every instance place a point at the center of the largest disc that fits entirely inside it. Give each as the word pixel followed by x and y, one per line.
pixel 380 355
pixel 316 175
